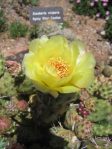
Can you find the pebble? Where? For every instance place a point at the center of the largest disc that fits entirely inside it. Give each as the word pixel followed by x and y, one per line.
pixel 107 72
pixel 102 33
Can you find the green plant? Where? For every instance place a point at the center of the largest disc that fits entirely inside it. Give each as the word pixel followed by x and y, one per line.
pixel 2 65
pixel 7 85
pixel 80 126
pixel 100 8
pixel 93 88
pixel 99 114
pixel 69 139
pixel 32 2
pixel 34 31
pixel 97 123
pixel 102 129
pixel 83 8
pixel 83 129
pixel 102 90
pixel 18 29
pixel 105 91
pixel 7 82
pixel 2 21
pixel 72 117
pixel 26 87
pixel 108 29
pixel 98 143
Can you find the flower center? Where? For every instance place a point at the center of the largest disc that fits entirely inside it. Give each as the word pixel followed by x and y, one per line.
pixel 61 67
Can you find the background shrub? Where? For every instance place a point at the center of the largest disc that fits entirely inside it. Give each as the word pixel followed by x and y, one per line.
pixel 83 8
pixel 100 8
pixel 108 29
pixel 32 2
pixel 3 25
pixel 18 29
pixel 34 31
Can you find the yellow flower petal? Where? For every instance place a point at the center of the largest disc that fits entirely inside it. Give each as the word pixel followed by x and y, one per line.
pixel 85 60
pixel 31 70
pixel 68 89
pixel 53 50
pixel 83 79
pixel 84 72
pixel 29 65
pixel 37 44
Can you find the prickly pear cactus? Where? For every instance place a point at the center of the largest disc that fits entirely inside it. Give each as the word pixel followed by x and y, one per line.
pixel 103 110
pixel 101 89
pixel 26 87
pixel 73 121
pixel 105 90
pixel 70 139
pixel 98 143
pixel 84 129
pixel 100 111
pixel 103 129
pixel 72 117
pixel 93 88
pixel 2 65
pixel 89 104
pixel 83 110
pixel 7 87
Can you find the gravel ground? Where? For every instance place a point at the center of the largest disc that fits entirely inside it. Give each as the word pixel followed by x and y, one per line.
pixel 84 28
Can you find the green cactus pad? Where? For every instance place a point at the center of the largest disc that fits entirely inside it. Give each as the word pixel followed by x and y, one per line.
pixel 94 87
pixel 26 87
pixel 98 143
pixel 103 129
pixel 7 85
pixel 103 110
pixel 105 90
pixel 72 117
pixel 69 138
pixel 84 129
pixel 89 104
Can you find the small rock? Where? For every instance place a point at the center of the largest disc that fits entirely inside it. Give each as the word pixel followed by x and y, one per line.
pixel 107 72
pixel 102 33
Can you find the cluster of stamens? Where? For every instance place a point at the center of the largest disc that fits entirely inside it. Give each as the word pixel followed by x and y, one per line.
pixel 61 67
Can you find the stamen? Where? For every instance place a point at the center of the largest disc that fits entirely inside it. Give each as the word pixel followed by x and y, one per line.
pixel 61 67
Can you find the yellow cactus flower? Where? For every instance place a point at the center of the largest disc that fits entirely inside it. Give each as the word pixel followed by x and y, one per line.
pixel 56 65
